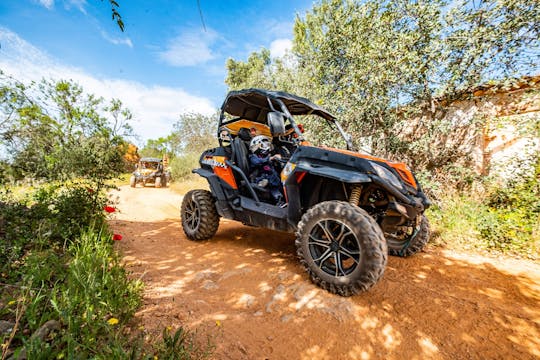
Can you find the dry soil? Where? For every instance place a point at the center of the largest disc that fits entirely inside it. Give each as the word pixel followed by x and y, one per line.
pixel 245 290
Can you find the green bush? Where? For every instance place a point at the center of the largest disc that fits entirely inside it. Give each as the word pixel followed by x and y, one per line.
pixel 66 282
pixel 503 218
pixel 181 166
pixel 47 217
pixel 58 260
pixel 511 220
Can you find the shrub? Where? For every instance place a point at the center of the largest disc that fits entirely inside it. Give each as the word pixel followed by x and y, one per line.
pixel 57 257
pixel 502 217
pixel 47 217
pixel 511 220
pixel 181 166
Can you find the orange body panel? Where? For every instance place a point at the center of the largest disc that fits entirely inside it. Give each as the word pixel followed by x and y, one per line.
pixel 227 175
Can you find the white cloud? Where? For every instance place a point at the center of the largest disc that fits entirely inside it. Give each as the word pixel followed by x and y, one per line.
pixel 79 4
pixel 49 4
pixel 191 47
pixel 68 4
pixel 279 47
pixel 115 40
pixel 155 108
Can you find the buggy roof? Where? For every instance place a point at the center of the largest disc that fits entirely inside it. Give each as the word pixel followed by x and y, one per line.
pixel 252 104
pixel 150 159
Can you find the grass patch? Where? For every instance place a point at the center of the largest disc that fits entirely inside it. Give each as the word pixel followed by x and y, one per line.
pixel 64 292
pixel 466 223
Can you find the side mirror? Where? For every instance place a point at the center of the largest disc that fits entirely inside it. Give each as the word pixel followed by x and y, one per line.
pixel 276 123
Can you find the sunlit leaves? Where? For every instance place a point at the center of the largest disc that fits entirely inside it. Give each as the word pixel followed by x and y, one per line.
pixel 54 130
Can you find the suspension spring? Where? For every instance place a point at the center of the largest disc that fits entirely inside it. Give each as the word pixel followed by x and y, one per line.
pixel 355 195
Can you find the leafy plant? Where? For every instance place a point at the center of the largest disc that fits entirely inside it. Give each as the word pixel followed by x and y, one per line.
pixel 181 345
pixel 181 166
pixel 55 131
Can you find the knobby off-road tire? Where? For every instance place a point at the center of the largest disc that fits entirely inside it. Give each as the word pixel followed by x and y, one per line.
pixel 157 182
pixel 132 181
pixel 341 247
pixel 415 244
pixel 200 219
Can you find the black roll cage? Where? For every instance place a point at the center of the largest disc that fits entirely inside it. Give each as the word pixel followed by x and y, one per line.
pixel 243 105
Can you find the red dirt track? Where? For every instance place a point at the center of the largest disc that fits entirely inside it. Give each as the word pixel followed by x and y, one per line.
pixel 246 290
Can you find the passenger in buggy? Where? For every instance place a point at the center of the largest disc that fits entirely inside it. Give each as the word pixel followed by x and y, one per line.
pixel 262 170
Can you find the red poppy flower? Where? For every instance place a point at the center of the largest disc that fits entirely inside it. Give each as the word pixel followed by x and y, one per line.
pixel 91 191
pixel 117 237
pixel 109 209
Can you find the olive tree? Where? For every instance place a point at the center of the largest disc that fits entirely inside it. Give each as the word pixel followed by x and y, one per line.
pixel 54 130
pixel 394 66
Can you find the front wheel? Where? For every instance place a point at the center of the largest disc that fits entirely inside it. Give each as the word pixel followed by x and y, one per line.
pixel 341 247
pixel 200 219
pixel 132 181
pixel 157 182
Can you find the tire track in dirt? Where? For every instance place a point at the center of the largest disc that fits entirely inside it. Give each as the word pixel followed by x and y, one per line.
pixel 246 291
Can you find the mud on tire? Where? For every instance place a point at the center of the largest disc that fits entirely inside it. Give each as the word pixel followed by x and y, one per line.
pixel 200 219
pixel 416 243
pixel 341 247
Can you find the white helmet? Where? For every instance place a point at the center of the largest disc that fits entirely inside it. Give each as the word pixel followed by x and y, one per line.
pixel 260 142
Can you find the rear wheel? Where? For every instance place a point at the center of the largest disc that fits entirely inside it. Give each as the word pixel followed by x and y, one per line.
pixel 413 244
pixel 341 247
pixel 157 182
pixel 200 219
pixel 132 181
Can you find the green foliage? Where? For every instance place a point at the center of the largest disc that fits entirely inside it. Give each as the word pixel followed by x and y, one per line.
pixel 195 133
pixel 378 65
pixel 163 146
pixel 116 15
pixel 95 299
pixel 182 165
pixel 181 345
pixel 505 219
pixel 58 255
pixel 54 131
pixel 252 73
pixel 512 217
pixel 51 216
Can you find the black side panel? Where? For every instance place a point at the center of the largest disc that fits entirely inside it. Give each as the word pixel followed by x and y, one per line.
pixel 332 172
pixel 294 206
pixel 263 215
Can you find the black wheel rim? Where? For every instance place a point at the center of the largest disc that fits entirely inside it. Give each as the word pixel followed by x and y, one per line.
pixel 334 248
pixel 192 216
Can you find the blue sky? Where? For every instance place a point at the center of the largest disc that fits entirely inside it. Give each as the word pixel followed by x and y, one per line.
pixel 164 64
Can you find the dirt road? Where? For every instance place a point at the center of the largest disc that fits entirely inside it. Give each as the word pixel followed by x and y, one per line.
pixel 245 289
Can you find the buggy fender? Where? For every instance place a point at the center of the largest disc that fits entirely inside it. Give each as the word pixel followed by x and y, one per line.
pixel 203 172
pixel 213 181
pixel 222 203
pixel 348 176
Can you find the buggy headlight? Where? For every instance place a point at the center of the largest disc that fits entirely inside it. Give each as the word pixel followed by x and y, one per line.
pixel 387 175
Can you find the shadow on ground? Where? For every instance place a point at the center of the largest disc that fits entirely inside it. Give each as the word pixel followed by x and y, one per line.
pixel 246 290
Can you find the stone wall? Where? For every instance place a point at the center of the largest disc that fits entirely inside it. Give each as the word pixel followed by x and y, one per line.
pixel 498 127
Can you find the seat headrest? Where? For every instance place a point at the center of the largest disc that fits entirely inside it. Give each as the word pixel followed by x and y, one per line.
pixel 244 134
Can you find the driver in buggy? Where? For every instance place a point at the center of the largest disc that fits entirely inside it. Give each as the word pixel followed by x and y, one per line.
pixel 262 170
